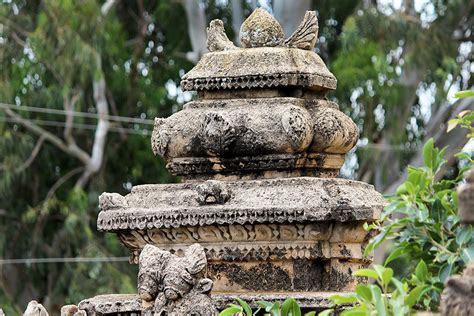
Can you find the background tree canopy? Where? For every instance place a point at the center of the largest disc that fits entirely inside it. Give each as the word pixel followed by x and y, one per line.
pixel 81 82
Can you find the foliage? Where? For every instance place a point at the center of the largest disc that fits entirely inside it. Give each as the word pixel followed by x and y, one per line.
pixel 388 296
pixel 289 307
pixel 423 224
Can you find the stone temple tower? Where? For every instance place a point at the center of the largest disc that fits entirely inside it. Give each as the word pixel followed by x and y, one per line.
pixel 259 153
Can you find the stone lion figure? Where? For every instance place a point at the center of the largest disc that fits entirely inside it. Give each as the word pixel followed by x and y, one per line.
pixel 173 285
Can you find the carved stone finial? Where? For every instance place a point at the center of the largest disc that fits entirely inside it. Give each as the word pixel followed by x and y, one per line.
pixel 261 29
pixel 174 285
pixel 217 40
pixel 458 296
pixel 306 34
pixel 35 309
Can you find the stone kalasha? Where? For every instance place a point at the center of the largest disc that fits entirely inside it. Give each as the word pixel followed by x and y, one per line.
pixel 259 152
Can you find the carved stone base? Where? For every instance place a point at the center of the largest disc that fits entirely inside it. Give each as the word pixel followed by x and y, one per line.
pixel 130 304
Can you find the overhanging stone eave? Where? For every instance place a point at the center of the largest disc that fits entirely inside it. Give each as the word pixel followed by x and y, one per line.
pixel 140 218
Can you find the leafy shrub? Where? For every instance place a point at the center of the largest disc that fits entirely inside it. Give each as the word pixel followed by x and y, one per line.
pixel 426 224
pixel 389 296
pixel 289 307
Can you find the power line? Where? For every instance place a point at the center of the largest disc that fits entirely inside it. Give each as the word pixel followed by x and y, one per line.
pixel 62 260
pixel 79 126
pixel 76 114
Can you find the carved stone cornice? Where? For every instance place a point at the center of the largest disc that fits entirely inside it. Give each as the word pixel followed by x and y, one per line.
pixel 289 200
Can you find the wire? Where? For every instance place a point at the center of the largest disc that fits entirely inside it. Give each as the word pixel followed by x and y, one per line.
pixel 143 132
pixel 76 114
pixel 62 260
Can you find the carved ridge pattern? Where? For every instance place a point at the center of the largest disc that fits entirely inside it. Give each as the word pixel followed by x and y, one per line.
pixel 192 218
pixel 301 247
pixel 258 81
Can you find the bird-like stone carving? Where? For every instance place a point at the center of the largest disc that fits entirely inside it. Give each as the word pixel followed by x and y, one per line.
pixel 306 34
pixel 217 40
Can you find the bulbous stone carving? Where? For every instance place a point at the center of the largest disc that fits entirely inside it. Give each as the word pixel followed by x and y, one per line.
pixel 212 192
pixel 261 29
pixel 172 285
pixel 296 126
pixel 217 134
pixel 458 296
pixel 306 34
pixel 35 309
pixel 160 138
pixel 217 40
pixel 334 132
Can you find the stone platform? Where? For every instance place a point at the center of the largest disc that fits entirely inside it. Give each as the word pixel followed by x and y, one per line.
pixel 268 236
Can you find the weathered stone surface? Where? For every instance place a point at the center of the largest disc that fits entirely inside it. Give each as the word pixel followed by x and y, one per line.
pixel 466 199
pixel 172 285
pixel 306 35
pixel 261 29
pixel 35 309
pixel 111 304
pixel 259 201
pixel 251 129
pixel 260 150
pixel 249 68
pixel 458 295
pixel 72 310
pixel 217 40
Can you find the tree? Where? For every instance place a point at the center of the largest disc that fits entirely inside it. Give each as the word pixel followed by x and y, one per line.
pixel 82 80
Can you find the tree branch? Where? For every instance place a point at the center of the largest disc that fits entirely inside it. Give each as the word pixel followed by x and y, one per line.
pixel 32 157
pixel 196 18
pixel 103 126
pixel 53 139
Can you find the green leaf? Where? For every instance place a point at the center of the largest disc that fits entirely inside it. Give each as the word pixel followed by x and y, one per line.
pixel 326 312
pixel 414 295
pixel 394 255
pixel 290 308
pixel 379 302
pixel 387 276
pixel 445 272
pixel 452 123
pixel 364 292
pixel 343 299
pixel 230 311
pixel 421 271
pixel 265 304
pixel 464 94
pixel 354 312
pixel 428 153
pixel 245 306
pixel 366 273
pixel 468 254
pixel 464 235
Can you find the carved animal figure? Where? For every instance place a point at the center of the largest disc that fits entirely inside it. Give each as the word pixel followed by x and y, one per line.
pixel 172 285
pixel 458 296
pixel 35 309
